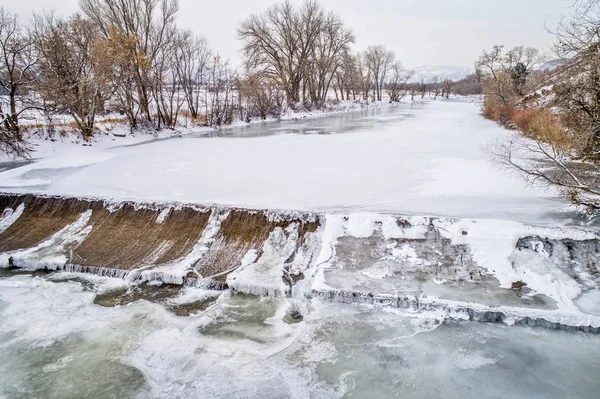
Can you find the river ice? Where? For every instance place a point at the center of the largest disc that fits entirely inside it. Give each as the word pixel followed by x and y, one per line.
pixel 426 159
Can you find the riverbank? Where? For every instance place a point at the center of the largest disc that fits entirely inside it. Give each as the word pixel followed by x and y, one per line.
pixel 112 130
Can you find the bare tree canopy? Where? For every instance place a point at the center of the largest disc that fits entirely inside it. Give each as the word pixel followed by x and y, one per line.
pixel 378 60
pixel 71 78
pixel 191 61
pixel 148 25
pixel 17 74
pixel 299 48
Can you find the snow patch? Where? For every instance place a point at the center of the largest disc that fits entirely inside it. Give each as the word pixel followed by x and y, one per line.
pixel 163 215
pixel 9 216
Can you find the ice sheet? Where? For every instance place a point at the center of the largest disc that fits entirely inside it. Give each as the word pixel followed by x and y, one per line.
pixel 432 164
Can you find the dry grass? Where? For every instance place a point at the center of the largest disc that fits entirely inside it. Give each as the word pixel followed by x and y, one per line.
pixel 115 121
pixel 543 125
pixel 537 123
pixel 498 111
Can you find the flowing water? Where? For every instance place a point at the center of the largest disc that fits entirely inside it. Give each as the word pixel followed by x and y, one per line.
pixel 243 346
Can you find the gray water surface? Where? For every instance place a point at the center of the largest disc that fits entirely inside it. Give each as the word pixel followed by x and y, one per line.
pixel 56 343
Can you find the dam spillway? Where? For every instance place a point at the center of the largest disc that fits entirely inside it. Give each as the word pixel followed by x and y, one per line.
pixel 490 271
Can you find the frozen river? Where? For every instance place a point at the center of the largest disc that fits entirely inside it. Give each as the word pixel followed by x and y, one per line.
pixel 426 159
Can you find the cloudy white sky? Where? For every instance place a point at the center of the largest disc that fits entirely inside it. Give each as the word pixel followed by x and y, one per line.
pixel 421 32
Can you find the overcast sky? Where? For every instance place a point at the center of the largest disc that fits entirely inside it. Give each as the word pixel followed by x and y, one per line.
pixel 421 32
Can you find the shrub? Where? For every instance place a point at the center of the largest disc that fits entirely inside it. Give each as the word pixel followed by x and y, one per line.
pixel 536 123
pixel 496 110
pixel 542 125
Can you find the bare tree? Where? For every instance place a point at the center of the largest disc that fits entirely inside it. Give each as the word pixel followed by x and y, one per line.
pixel 146 25
pixel 498 82
pixel 378 60
pixel 116 53
pixel 262 97
pixel 221 84
pixel 397 85
pixel 505 74
pixel 577 81
pixel 165 89
pixel 279 42
pixel 191 60
pixel 547 164
pixel 346 77
pixel 327 57
pixel 364 76
pixel 71 80
pixel 470 85
pixel 17 74
pixel 446 88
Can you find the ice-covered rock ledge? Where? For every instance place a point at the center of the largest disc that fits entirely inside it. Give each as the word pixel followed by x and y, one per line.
pixel 465 311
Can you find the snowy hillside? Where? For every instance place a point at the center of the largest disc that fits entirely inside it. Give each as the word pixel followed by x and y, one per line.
pixel 429 72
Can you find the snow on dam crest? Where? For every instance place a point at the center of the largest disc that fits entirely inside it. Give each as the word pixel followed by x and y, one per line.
pixel 483 270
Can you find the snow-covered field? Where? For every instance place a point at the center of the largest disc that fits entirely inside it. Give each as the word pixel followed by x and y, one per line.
pixel 427 159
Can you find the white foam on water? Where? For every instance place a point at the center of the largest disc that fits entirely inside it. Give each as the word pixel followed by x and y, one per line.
pixel 239 348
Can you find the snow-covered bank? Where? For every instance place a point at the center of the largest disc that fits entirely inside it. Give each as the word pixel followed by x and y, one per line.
pixel 426 160
pixel 113 132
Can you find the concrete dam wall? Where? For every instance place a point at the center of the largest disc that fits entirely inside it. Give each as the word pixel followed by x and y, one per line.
pixel 175 244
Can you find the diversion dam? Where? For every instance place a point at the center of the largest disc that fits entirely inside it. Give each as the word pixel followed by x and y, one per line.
pixel 471 270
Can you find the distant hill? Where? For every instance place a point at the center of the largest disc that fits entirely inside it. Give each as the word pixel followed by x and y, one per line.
pixel 429 72
pixel 550 65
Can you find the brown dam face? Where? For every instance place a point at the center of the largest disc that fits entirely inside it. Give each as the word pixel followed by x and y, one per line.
pixel 41 218
pixel 128 238
pixel 135 237
pixel 240 232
